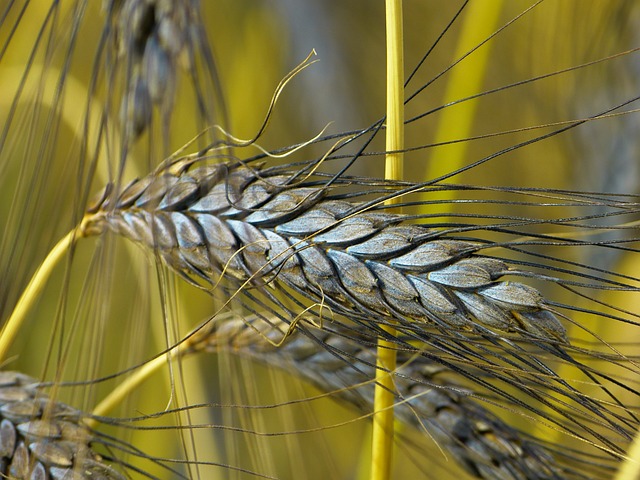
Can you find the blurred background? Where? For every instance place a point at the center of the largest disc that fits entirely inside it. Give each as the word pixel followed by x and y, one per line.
pixel 64 135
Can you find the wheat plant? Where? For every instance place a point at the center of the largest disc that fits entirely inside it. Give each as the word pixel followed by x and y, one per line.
pixel 234 270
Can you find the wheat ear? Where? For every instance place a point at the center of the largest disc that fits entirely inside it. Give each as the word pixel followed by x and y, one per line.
pixel 41 439
pixel 152 40
pixel 342 363
pixel 426 394
pixel 254 226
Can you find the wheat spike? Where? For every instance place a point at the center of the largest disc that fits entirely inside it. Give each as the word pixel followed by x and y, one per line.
pixel 428 396
pixel 41 439
pixel 153 40
pixel 204 220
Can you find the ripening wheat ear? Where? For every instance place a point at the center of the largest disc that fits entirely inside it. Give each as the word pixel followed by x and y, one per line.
pixel 427 396
pixel 153 41
pixel 251 225
pixel 341 362
pixel 42 439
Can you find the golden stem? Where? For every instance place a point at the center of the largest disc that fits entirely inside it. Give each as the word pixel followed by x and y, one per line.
pixel 125 388
pixel 384 399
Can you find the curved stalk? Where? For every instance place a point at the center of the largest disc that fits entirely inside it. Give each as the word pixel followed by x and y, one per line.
pixel 124 389
pixel 30 294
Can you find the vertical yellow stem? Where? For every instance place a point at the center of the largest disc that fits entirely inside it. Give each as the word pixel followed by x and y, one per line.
pixel 383 420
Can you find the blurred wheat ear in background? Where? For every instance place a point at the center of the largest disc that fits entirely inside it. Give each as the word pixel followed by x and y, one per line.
pixel 230 263
pixel 44 439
